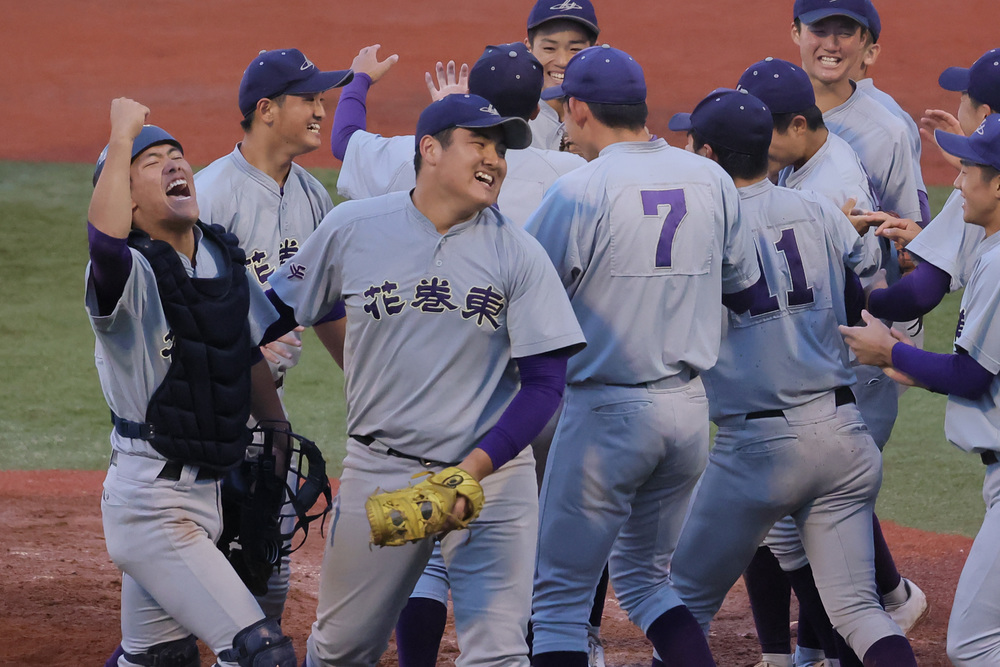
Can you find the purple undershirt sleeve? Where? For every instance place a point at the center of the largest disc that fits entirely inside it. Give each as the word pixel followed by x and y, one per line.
pixel 953 374
pixel 543 378
pixel 285 322
pixel 740 302
pixel 925 209
pixel 854 296
pixel 914 295
pixel 110 266
pixel 339 311
pixel 351 114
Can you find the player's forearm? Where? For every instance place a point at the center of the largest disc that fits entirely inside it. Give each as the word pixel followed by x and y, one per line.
pixel 110 266
pixel 543 379
pixel 351 114
pixel 264 402
pixel 331 333
pixel 953 374
pixel 916 294
pixel 111 204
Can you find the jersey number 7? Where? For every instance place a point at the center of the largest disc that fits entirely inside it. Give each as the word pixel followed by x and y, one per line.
pixel 652 200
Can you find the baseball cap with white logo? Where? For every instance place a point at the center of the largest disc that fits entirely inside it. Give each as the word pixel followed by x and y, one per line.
pixel 779 84
pixel 581 11
pixel 471 112
pixel 980 147
pixel 602 75
pixel 285 72
pixel 811 11
pixel 981 81
pixel 510 77
pixel 731 119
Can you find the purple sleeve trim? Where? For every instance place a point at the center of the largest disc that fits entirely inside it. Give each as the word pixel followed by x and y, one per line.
pixel 543 378
pixel 285 322
pixel 914 295
pixel 854 296
pixel 925 209
pixel 338 312
pixel 110 266
pixel 350 115
pixel 953 374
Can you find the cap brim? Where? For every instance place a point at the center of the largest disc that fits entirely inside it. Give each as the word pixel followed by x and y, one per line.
pixel 819 14
pixel 553 92
pixel 321 81
pixel 959 146
pixel 680 122
pixel 584 22
pixel 955 79
pixel 516 131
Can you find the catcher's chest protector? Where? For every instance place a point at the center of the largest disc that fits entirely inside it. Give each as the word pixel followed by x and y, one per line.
pixel 199 413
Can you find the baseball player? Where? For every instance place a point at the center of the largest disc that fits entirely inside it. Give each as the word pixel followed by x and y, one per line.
pixel 557 30
pixel 645 238
pixel 176 319
pixel 969 377
pixel 790 438
pixel 444 297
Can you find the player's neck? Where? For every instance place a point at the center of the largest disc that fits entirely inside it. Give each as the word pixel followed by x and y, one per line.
pixel 557 106
pixel 606 136
pixel 271 158
pixel 745 182
pixel 814 141
pixel 832 95
pixel 179 236
pixel 442 208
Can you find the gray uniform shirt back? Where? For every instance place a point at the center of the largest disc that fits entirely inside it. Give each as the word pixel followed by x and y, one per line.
pixel 950 243
pixel 546 129
pixel 912 131
pixel 375 165
pixel 646 238
pixel 433 321
pixel 882 144
pixel 133 345
pixel 786 349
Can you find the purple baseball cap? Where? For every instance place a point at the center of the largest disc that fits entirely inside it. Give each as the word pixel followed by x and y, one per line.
pixel 602 75
pixel 510 77
pixel 284 72
pixel 779 84
pixel 981 81
pixel 980 147
pixel 149 136
pixel 471 112
pixel 810 11
pixel 581 11
pixel 732 119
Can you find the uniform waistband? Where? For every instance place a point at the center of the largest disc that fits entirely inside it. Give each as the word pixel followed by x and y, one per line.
pixel 170 470
pixel 989 457
pixel 382 448
pixel 672 382
pixel 842 396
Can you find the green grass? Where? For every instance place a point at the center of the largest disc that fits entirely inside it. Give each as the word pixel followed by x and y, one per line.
pixel 54 416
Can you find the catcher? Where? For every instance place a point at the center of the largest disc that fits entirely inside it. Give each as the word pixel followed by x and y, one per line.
pixel 444 297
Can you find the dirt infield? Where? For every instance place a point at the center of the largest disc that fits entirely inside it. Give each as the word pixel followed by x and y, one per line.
pixel 59 592
pixel 66 60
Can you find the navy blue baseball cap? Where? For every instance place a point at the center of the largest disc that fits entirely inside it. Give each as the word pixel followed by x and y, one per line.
pixel 779 84
pixel 810 11
pixel 471 112
pixel 581 11
pixel 602 75
pixel 149 136
pixel 285 72
pixel 510 77
pixel 981 147
pixel 874 22
pixel 981 81
pixel 731 119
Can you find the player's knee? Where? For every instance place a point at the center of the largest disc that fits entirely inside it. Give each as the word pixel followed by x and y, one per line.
pixel 177 653
pixel 261 645
pixel 967 649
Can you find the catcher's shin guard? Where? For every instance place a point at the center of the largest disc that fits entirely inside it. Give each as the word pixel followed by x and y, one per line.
pixel 261 645
pixel 177 653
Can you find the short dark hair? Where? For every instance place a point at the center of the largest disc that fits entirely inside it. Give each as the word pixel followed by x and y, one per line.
pixel 987 172
pixel 247 121
pixel 443 137
pixel 558 25
pixel 976 103
pixel 813 116
pixel 866 34
pixel 737 165
pixel 620 116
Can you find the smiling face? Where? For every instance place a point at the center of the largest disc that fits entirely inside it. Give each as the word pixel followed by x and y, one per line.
pixel 981 190
pixel 554 43
pixel 472 166
pixel 162 187
pixel 830 48
pixel 296 121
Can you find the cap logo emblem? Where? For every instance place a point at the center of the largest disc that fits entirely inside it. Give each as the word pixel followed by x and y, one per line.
pixel 306 65
pixel 566 6
pixel 982 128
pixel 490 110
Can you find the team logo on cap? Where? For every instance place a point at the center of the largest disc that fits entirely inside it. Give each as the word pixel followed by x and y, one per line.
pixel 566 6
pixel 982 128
pixel 490 110
pixel 306 65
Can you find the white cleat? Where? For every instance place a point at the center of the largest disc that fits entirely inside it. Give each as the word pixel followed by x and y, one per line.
pixel 775 660
pixel 910 613
pixel 595 652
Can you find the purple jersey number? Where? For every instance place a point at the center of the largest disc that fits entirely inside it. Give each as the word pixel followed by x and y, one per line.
pixel 800 294
pixel 651 202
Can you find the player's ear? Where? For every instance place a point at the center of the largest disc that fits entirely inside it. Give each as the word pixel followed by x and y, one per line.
pixel 577 110
pixel 265 110
pixel 796 32
pixel 800 124
pixel 706 151
pixel 430 150
pixel 871 55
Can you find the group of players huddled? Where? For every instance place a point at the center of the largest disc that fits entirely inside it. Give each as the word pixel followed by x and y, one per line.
pixel 538 290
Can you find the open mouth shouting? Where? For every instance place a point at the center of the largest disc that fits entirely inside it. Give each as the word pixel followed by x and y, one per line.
pixel 179 189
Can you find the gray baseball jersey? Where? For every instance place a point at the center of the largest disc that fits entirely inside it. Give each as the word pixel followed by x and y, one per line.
pixel 949 243
pixel 912 131
pixel 690 213
pixel 486 282
pixel 804 243
pixel 546 129
pixel 882 144
pixel 375 165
